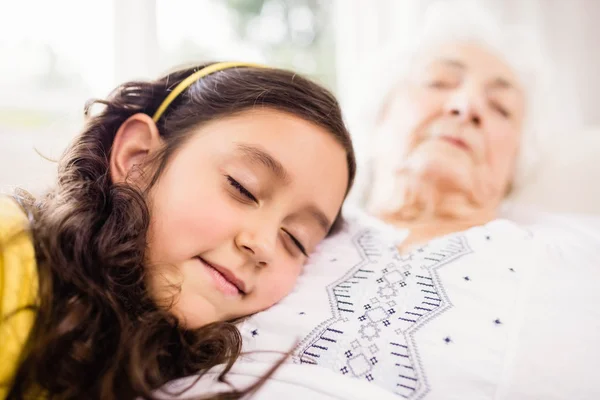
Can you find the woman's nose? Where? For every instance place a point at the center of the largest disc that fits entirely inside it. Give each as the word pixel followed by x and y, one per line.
pixel 464 104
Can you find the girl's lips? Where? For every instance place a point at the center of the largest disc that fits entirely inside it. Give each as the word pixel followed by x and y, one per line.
pixel 223 279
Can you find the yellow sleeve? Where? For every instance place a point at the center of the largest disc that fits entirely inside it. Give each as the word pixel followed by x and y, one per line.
pixel 18 287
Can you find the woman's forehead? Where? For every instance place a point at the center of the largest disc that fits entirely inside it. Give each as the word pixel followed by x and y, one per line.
pixel 470 57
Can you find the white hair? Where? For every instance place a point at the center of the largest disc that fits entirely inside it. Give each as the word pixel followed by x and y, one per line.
pixel 448 22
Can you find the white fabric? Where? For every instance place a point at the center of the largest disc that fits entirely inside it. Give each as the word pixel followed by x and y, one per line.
pixel 290 382
pixel 497 312
pixel 567 175
pixel 503 311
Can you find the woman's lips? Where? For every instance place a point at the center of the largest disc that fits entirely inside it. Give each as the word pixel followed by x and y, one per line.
pixel 456 142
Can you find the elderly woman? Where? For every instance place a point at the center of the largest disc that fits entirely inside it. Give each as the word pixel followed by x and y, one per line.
pixel 438 297
pixel 456 128
pixel 458 120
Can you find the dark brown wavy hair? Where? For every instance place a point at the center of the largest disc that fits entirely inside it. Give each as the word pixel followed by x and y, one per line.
pixel 97 332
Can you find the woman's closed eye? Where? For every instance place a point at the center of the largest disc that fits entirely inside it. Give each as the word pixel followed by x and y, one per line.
pixel 442 81
pixel 241 189
pixel 439 84
pixel 500 109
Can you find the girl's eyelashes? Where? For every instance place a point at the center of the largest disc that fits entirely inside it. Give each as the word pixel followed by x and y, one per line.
pixel 241 189
pixel 248 195
pixel 297 243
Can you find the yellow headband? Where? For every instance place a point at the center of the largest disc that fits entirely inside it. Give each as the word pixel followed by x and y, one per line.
pixel 187 82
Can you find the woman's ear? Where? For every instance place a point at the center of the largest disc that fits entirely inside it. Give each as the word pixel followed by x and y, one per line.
pixel 135 140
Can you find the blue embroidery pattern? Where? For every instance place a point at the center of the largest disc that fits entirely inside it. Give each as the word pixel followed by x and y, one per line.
pixel 376 308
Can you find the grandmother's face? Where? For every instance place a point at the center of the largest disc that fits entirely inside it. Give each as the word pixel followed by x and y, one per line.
pixel 457 120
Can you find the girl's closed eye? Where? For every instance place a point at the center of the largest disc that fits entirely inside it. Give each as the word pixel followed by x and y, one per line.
pixel 296 242
pixel 241 189
pixel 248 195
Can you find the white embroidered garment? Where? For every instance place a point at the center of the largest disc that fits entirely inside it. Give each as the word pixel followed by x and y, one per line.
pixel 495 312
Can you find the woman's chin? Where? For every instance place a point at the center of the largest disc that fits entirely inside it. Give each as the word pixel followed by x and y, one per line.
pixel 454 173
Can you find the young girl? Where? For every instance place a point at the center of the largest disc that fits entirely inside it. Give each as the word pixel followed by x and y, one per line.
pixel 187 203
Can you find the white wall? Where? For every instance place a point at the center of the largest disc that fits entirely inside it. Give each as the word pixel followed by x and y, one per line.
pixel 568 30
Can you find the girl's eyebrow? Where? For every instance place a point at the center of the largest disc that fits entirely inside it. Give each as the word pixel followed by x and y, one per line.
pixel 320 216
pixel 257 155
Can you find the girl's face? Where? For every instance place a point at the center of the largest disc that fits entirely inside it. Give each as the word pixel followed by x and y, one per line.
pixel 238 210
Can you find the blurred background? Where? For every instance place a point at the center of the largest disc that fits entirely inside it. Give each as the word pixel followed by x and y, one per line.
pixel 55 55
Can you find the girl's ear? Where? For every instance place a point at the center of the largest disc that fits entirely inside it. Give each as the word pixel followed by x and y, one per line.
pixel 136 138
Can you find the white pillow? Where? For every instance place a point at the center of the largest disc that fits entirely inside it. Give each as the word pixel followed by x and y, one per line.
pixel 567 179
